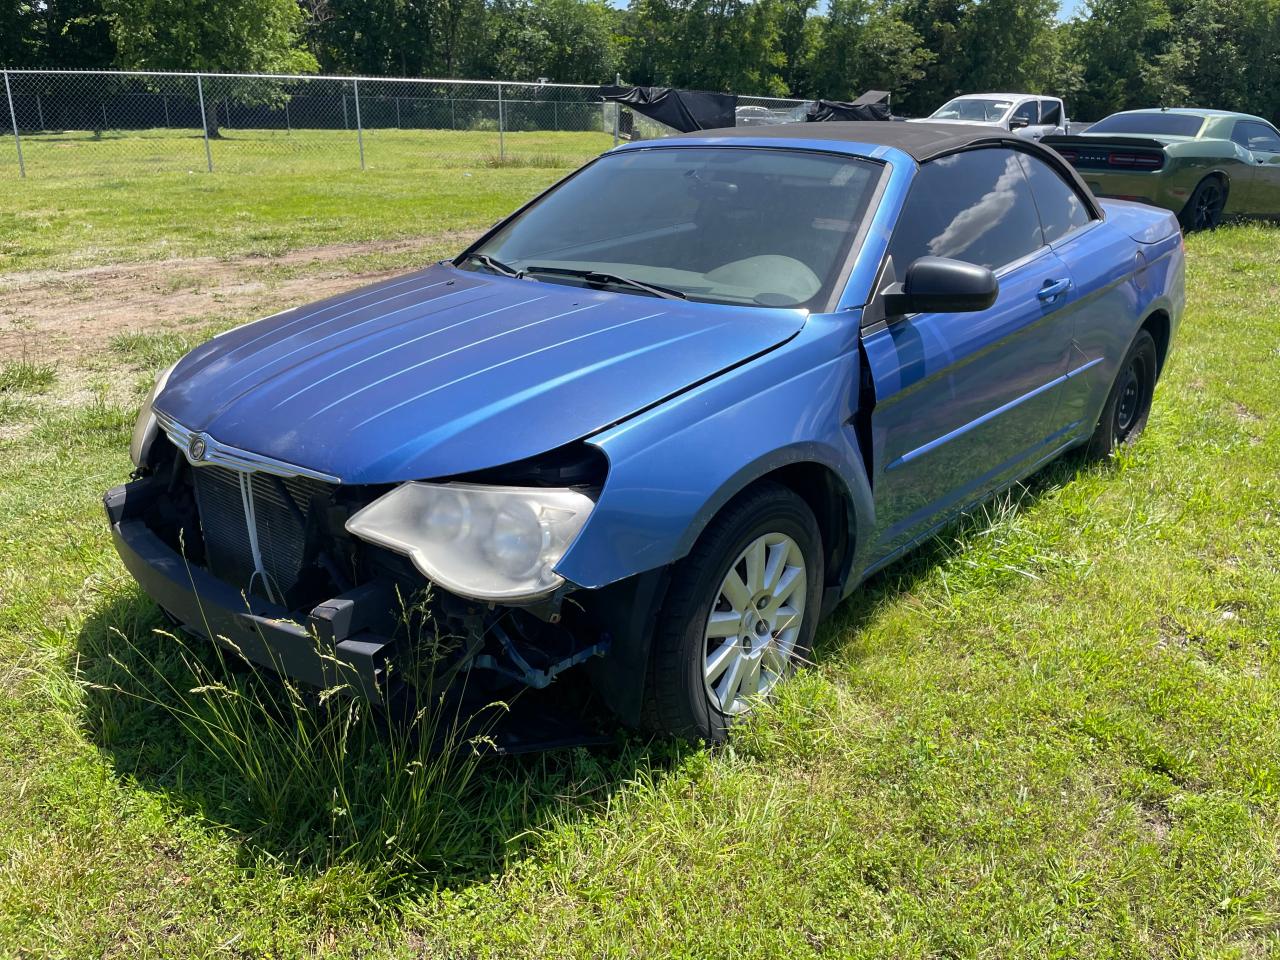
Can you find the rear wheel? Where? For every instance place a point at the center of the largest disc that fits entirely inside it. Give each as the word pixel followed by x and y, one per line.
pixel 1204 210
pixel 740 614
pixel 1129 403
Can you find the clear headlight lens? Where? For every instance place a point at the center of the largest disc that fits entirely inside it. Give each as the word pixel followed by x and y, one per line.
pixel 145 427
pixel 482 542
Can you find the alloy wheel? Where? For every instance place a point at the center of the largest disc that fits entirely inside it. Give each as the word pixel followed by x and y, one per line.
pixel 755 622
pixel 1208 206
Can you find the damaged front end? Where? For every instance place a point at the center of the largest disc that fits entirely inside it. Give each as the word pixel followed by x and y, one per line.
pixel 332 584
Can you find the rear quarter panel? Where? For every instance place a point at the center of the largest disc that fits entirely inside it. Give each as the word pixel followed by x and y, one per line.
pixel 1192 161
pixel 1127 281
pixel 1187 163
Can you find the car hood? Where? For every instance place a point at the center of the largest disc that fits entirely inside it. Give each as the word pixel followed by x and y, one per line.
pixel 447 371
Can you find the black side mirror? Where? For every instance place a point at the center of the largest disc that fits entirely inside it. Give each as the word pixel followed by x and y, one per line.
pixel 1017 123
pixel 939 285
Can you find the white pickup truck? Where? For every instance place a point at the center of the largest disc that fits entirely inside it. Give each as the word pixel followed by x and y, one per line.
pixel 1025 114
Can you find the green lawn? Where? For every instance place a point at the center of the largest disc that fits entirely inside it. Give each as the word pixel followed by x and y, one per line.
pixel 145 196
pixel 1054 732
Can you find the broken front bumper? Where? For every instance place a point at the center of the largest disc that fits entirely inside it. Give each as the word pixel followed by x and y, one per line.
pixel 336 642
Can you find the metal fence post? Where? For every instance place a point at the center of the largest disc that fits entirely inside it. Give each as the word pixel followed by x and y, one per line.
pixel 617 109
pixel 502 143
pixel 204 125
pixel 13 118
pixel 359 128
pixel 40 112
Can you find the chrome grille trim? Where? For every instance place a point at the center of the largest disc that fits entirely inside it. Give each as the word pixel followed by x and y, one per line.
pixel 221 455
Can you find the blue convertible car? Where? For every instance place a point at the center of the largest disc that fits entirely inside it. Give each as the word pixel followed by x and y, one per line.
pixel 656 423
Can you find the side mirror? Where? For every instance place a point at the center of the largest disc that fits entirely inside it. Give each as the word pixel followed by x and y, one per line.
pixel 1017 123
pixel 939 285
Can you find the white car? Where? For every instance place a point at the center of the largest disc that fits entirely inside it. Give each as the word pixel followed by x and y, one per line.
pixel 1024 114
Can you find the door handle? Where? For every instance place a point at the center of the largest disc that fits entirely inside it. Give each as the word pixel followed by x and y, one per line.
pixel 1053 289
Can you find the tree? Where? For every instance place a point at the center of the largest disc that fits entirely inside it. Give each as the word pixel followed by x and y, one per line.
pixel 240 36
pixel 1118 44
pixel 983 45
pixel 77 34
pixel 18 33
pixel 564 40
pixel 246 36
pixel 863 45
pixel 1219 55
pixel 732 45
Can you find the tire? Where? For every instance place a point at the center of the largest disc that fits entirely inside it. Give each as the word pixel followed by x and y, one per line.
pixel 1204 210
pixel 1129 403
pixel 687 694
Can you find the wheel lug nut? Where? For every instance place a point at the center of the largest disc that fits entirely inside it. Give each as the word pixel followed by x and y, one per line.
pixel 762 603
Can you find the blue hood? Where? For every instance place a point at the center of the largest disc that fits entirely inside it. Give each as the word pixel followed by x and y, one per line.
pixel 446 371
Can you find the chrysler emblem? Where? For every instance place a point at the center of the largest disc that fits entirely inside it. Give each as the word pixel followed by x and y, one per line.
pixel 196 447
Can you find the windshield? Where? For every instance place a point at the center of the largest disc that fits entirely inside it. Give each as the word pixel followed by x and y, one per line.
pixel 984 111
pixel 754 226
pixel 1168 124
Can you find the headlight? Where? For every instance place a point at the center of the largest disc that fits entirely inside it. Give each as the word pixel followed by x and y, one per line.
pixel 482 542
pixel 144 430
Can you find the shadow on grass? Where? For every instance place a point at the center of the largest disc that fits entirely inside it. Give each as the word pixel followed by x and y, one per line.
pixel 313 785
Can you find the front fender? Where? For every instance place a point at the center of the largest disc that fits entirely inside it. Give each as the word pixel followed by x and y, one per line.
pixel 673 467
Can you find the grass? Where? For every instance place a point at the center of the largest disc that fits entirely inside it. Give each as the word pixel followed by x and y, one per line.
pixel 26 377
pixel 148 197
pixel 1053 732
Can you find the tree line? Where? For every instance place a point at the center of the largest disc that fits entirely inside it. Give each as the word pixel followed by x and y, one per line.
pixel 1112 55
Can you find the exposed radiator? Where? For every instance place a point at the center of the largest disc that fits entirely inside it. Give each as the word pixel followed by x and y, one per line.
pixel 281 509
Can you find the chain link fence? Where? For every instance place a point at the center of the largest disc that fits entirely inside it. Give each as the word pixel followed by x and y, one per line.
pixel 105 125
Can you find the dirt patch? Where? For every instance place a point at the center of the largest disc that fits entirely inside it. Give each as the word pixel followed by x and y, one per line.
pixel 60 316
pixel 1243 413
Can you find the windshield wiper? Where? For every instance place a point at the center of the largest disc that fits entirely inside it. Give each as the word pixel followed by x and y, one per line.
pixel 494 265
pixel 596 278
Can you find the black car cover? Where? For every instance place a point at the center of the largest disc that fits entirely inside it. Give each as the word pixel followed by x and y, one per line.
pixel 872 105
pixel 685 110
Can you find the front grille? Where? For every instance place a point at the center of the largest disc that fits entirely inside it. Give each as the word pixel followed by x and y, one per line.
pixel 282 508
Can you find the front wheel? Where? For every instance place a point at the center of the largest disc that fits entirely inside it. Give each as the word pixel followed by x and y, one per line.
pixel 1129 403
pixel 739 615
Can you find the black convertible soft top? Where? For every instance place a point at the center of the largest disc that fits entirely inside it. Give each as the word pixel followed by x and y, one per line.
pixel 921 141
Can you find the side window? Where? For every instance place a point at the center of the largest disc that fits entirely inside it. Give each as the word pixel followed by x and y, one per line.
pixel 1029 111
pixel 1051 112
pixel 974 206
pixel 1253 135
pixel 1061 208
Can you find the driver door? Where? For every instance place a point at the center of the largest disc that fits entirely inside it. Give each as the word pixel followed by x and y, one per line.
pixel 1263 143
pixel 1025 120
pixel 966 401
